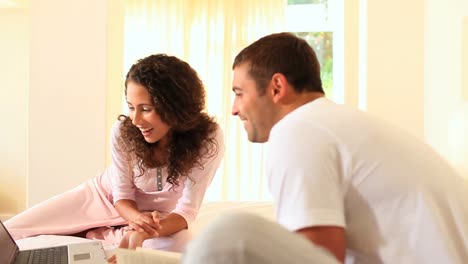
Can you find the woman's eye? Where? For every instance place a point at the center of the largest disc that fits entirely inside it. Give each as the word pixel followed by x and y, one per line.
pixel 131 108
pixel 146 109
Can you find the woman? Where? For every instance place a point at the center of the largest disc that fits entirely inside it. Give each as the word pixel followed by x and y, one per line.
pixel 164 155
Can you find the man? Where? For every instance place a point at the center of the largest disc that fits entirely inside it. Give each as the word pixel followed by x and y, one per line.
pixel 364 191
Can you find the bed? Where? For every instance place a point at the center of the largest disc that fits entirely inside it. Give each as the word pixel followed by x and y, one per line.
pixel 208 212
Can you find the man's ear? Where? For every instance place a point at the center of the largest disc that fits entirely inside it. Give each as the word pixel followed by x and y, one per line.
pixel 279 86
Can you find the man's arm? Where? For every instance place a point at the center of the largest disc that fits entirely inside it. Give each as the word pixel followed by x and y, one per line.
pixel 332 238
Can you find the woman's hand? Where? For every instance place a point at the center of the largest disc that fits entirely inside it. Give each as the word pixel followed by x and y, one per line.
pixel 112 260
pixel 133 239
pixel 147 222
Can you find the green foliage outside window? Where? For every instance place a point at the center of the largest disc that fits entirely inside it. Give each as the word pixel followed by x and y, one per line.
pixel 322 43
pixel 304 2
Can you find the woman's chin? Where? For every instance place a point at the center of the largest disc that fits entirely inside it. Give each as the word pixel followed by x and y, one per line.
pixel 150 140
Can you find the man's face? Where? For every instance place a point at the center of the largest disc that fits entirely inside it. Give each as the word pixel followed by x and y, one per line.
pixel 253 109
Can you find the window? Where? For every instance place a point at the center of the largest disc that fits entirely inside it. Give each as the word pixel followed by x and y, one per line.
pixel 151 26
pixel 320 23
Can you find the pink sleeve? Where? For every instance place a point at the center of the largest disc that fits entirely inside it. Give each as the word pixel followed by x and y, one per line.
pixel 193 193
pixel 121 171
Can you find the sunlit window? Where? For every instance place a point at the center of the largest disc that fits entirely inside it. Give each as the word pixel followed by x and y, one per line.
pixel 208 35
pixel 320 23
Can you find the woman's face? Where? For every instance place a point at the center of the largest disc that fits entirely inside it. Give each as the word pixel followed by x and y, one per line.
pixel 144 116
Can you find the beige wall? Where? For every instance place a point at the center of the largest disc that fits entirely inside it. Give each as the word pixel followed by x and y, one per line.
pixel 385 60
pixel 465 57
pixel 61 63
pixel 411 70
pixel 443 74
pixel 67 111
pixel 384 72
pixel 395 62
pixel 14 28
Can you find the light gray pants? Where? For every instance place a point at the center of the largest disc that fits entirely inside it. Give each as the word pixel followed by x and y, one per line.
pixel 248 239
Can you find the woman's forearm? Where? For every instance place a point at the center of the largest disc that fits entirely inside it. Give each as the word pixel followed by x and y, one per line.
pixel 127 209
pixel 172 223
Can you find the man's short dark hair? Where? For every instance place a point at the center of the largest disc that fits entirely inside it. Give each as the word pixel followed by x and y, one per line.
pixel 282 53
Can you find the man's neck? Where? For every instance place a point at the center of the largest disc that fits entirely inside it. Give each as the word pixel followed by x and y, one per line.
pixel 295 101
pixel 299 100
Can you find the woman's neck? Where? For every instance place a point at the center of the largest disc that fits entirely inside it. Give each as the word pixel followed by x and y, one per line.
pixel 161 153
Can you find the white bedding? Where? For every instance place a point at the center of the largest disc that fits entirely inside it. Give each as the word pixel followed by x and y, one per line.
pixel 211 210
pixel 208 212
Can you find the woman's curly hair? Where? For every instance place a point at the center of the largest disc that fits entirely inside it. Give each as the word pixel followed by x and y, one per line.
pixel 178 97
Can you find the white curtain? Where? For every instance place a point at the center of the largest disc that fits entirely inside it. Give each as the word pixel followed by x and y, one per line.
pixel 208 34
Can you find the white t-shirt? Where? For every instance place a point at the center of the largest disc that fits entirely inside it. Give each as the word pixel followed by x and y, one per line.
pixel 397 199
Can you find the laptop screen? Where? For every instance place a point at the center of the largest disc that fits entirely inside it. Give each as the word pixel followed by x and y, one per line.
pixel 8 247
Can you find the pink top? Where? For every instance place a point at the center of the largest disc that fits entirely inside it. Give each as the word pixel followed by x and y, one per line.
pixel 91 204
pixel 184 200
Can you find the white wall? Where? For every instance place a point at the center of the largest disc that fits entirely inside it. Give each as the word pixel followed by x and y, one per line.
pixel 14 51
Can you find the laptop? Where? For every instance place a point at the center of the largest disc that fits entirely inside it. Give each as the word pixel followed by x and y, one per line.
pixel 82 253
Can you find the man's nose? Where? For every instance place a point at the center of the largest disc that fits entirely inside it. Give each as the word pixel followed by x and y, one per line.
pixel 234 110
